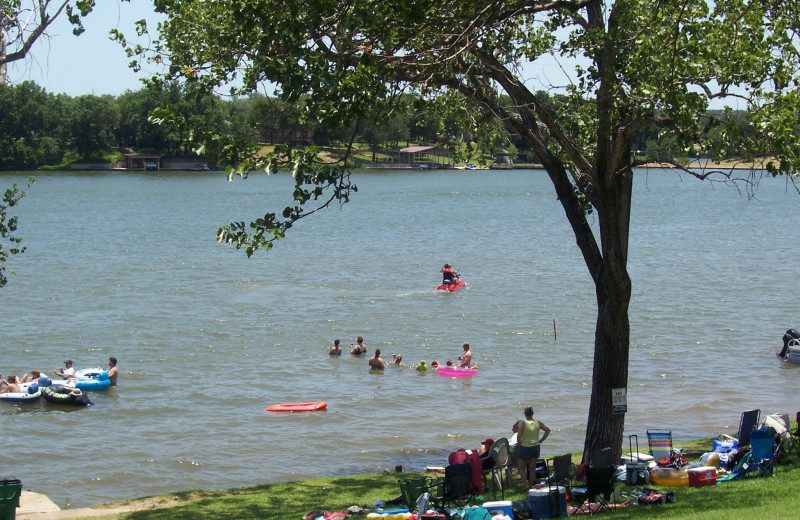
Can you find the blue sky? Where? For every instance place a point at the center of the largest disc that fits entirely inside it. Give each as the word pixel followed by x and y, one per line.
pixel 89 63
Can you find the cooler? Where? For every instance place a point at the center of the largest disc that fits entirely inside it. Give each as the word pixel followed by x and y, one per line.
pixel 540 502
pixel 703 476
pixel 548 503
pixel 558 505
pixel 501 507
pixel 637 473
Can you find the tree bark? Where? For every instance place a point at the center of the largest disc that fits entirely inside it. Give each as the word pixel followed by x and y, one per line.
pixel 604 428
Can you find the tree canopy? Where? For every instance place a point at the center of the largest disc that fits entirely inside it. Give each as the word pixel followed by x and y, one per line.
pixel 638 63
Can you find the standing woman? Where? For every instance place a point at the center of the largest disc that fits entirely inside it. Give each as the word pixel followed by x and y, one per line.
pixel 529 446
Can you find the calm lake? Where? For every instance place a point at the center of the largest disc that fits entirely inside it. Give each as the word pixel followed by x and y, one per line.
pixel 126 265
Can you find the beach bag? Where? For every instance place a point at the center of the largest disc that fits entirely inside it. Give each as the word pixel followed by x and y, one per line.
pixel 675 460
pixel 651 497
pixel 725 445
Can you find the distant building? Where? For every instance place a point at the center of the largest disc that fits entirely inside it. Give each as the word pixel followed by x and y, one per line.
pixel 143 161
pixel 422 157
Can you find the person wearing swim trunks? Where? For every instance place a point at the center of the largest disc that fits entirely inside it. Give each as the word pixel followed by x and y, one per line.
pixel 466 357
pixel 529 442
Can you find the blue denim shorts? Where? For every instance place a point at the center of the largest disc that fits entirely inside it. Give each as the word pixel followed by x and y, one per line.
pixel 530 452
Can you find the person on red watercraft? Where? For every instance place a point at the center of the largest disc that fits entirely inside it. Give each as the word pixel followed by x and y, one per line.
pixel 449 275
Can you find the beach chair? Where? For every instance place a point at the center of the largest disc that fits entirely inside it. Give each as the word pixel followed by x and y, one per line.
pixel 783 434
pixel 662 450
pixel 660 444
pixel 412 488
pixel 455 488
pixel 747 423
pixel 599 483
pixel 513 459
pixel 499 453
pixel 739 470
pixel 563 470
pixel 762 452
pixel 793 442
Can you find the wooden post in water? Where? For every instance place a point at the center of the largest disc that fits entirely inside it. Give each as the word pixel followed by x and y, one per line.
pixel 555 334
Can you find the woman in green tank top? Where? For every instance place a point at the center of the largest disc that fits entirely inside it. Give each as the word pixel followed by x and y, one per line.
pixel 529 444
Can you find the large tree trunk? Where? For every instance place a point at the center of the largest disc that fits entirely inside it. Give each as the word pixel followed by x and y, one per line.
pixel 604 428
pixel 612 341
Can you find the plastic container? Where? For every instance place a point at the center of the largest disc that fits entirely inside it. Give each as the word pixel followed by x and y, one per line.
pixel 703 476
pixel 10 490
pixel 501 507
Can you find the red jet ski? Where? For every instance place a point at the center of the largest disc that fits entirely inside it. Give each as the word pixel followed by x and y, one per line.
pixel 452 287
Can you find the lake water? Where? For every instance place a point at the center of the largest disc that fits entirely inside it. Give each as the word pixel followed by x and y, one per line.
pixel 126 264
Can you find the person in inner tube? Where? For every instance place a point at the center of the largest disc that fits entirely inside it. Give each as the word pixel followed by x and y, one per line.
pixel 449 275
pixel 66 373
pixel 11 384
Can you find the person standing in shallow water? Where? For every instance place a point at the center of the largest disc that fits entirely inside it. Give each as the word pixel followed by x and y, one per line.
pixel 466 357
pixel 530 443
pixel 359 348
pixel 375 362
pixel 113 371
pixel 335 350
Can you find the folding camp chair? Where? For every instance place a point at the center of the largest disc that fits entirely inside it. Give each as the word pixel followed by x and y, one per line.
pixel 791 443
pixel 747 423
pixel 411 489
pixel 739 470
pixel 563 471
pixel 599 490
pixel 599 483
pixel 783 434
pixel 455 488
pixel 762 452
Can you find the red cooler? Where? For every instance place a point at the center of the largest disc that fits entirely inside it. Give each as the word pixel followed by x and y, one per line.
pixel 703 476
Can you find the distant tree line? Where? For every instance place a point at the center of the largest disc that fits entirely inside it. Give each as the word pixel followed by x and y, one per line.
pixel 38 128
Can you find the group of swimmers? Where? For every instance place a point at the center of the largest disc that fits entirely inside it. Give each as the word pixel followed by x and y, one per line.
pixel 377 363
pixel 12 382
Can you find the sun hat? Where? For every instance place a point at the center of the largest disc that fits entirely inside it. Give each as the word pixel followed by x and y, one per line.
pixel 76 392
pixel 68 362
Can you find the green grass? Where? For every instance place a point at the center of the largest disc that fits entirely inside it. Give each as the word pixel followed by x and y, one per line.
pixel 767 497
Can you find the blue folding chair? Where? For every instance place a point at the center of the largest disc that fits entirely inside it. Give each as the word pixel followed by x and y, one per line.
pixel 762 452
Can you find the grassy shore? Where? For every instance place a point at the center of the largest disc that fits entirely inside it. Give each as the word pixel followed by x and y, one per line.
pixel 766 497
